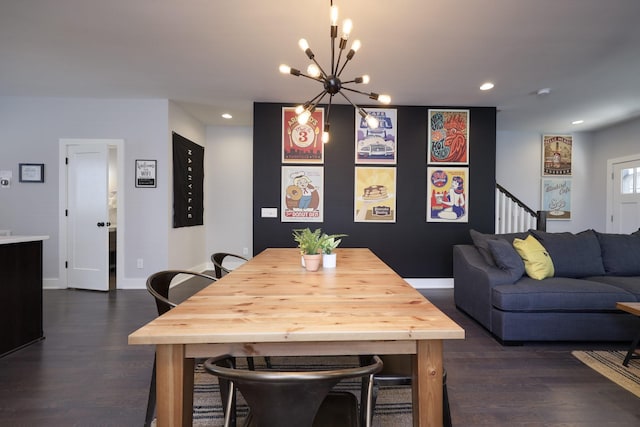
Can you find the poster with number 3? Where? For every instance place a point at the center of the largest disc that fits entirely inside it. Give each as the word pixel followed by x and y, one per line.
pixel 302 142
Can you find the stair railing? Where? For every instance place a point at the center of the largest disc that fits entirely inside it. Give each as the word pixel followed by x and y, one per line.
pixel 512 215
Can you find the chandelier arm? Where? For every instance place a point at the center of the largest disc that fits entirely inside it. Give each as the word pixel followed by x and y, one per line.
pixel 348 100
pixel 370 95
pixel 312 102
pixel 317 79
pixel 343 65
pixel 325 75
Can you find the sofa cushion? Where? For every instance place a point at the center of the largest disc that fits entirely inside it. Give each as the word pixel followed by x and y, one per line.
pixel 480 240
pixel 559 294
pixel 537 262
pixel 620 253
pixel 573 255
pixel 507 258
pixel 628 283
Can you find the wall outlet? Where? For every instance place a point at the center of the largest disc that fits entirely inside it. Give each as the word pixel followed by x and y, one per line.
pixel 140 263
pixel 269 212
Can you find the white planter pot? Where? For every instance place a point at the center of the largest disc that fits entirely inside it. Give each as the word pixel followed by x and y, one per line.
pixel 329 260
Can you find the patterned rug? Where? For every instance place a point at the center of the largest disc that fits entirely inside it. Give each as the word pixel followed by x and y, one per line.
pixel 609 364
pixel 393 406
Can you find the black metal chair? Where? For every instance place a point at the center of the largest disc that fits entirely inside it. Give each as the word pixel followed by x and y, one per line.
pixel 397 371
pixel 218 259
pixel 295 398
pixel 158 285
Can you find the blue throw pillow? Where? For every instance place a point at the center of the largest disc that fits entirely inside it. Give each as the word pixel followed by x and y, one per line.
pixel 573 255
pixel 481 241
pixel 507 258
pixel 620 253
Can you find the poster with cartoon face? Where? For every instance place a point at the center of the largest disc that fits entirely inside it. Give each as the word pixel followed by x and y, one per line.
pixel 302 142
pixel 447 194
pixel 302 194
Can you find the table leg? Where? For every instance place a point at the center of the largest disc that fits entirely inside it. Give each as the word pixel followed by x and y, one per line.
pixel 632 350
pixel 174 379
pixel 427 384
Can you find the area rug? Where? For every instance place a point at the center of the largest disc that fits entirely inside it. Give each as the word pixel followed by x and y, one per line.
pixel 609 364
pixel 393 406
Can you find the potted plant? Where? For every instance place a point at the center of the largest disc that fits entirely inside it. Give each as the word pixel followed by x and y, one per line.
pixel 310 244
pixel 329 243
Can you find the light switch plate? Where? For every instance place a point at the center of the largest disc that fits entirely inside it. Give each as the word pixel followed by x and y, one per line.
pixel 269 212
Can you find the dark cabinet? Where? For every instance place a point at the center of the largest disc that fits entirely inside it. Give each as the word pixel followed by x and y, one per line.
pixel 21 293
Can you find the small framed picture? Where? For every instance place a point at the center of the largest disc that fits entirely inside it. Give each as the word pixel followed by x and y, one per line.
pixel 146 173
pixel 31 172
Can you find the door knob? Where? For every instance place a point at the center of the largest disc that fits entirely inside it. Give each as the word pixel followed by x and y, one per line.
pixel 100 224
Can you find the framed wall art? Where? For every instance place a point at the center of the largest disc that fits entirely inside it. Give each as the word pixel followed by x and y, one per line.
pixel 377 145
pixel 302 194
pixel 302 143
pixel 31 172
pixel 447 194
pixel 375 194
pixel 448 137
pixel 556 155
pixel 146 175
pixel 556 198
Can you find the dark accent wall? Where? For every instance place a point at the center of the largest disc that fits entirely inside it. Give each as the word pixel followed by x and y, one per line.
pixel 411 246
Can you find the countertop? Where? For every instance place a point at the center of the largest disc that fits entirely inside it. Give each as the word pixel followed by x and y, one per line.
pixel 5 240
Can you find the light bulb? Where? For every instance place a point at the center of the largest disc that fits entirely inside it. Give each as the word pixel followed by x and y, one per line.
pixel 334 15
pixel 313 70
pixel 285 69
pixel 303 117
pixel 347 26
pixel 304 45
pixel 299 109
pixel 372 122
pixel 325 137
pixel 365 79
pixel 356 45
pixel 384 99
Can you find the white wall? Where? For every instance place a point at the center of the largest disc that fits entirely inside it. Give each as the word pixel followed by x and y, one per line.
pixel 30 130
pixel 229 180
pixel 186 244
pixel 519 170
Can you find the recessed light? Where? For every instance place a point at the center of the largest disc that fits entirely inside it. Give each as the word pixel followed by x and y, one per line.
pixel 577 122
pixel 544 91
pixel 227 116
pixel 486 86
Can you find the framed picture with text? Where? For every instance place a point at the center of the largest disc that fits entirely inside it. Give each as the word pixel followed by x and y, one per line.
pixel 31 172
pixel 146 175
pixel 556 198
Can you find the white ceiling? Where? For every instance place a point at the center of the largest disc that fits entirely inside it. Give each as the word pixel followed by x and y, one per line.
pixel 216 56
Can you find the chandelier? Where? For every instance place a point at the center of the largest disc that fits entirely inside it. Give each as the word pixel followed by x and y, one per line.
pixel 331 80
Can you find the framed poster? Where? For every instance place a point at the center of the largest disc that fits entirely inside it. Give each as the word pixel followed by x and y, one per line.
pixel 448 137
pixel 188 182
pixel 556 198
pixel 302 143
pixel 556 155
pixel 379 145
pixel 375 194
pixel 31 172
pixel 146 173
pixel 302 194
pixel 448 194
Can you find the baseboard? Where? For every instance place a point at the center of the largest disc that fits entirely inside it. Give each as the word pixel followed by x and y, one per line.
pixel 437 283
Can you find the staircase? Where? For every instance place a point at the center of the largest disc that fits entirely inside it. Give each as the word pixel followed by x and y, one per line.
pixel 513 216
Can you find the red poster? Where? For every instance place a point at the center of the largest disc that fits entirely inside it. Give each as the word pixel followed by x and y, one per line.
pixel 302 143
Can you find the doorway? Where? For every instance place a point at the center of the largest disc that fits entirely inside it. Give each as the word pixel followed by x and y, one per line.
pixel 90 251
pixel 623 195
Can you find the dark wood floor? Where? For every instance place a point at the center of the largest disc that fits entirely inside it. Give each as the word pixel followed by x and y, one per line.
pixel 85 374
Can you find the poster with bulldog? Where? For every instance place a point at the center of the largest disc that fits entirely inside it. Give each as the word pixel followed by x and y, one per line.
pixel 302 194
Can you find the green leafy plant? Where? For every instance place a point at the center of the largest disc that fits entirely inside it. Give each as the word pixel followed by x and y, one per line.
pixel 314 242
pixel 330 242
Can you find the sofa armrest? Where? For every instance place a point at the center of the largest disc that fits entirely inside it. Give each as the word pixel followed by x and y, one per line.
pixel 473 280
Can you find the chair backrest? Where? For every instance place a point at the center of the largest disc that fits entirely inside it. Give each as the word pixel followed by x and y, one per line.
pixel 279 398
pixel 158 285
pixel 218 258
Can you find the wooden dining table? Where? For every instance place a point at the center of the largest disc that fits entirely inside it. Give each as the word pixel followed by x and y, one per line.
pixel 272 306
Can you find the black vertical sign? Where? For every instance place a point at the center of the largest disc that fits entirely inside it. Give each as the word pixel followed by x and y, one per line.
pixel 188 177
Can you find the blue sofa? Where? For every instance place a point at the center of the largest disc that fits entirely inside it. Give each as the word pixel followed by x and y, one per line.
pixel 593 271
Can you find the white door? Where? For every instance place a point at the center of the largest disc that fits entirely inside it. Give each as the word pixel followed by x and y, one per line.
pixel 625 216
pixel 87 217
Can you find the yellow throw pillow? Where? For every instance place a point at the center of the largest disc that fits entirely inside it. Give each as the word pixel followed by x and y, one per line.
pixel 537 262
